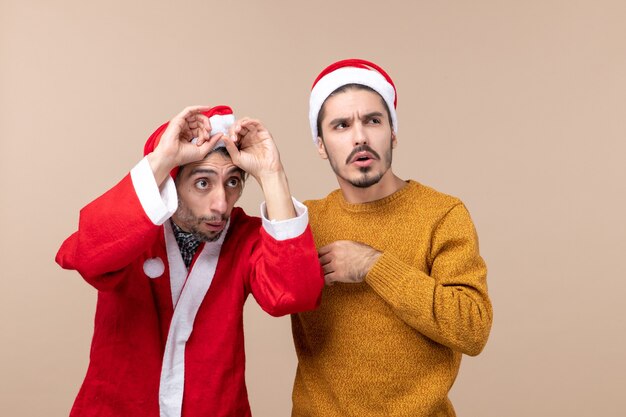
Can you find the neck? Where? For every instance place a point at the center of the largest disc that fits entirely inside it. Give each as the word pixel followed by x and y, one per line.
pixel 387 185
pixel 176 227
pixel 179 224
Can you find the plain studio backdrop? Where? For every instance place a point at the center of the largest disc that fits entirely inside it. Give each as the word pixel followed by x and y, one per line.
pixel 516 107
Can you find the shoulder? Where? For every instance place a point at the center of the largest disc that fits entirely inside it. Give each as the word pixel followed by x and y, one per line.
pixel 446 211
pixel 429 198
pixel 242 224
pixel 321 204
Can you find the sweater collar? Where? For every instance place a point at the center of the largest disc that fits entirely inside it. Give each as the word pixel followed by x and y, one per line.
pixel 376 204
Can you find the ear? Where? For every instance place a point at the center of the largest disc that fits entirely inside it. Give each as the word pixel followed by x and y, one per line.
pixel 394 140
pixel 321 148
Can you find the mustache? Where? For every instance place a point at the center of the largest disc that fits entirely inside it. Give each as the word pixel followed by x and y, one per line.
pixel 209 219
pixel 362 148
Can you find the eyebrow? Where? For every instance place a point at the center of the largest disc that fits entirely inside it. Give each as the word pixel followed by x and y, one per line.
pixel 373 114
pixel 202 171
pixel 365 117
pixel 339 120
pixel 208 171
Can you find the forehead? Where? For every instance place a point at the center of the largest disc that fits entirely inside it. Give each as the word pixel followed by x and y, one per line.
pixel 217 162
pixel 353 100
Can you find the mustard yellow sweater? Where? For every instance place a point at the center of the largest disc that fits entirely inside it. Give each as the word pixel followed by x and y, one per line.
pixel 392 345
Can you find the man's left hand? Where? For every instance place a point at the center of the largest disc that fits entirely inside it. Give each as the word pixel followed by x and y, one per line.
pixel 252 148
pixel 347 261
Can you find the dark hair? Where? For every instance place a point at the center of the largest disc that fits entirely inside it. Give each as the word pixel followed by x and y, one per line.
pixel 223 152
pixel 343 89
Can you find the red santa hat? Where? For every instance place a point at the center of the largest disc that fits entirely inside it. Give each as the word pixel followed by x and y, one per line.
pixel 351 71
pixel 221 118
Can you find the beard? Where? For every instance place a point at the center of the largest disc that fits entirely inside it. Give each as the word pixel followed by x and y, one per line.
pixel 191 222
pixel 367 178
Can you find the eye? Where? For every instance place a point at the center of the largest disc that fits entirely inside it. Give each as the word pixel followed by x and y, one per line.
pixel 341 125
pixel 202 184
pixel 375 120
pixel 233 182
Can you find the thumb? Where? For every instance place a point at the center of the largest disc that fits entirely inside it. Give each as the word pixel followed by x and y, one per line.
pixel 232 149
pixel 202 150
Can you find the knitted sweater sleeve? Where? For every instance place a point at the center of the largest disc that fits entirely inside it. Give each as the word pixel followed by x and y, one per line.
pixel 451 305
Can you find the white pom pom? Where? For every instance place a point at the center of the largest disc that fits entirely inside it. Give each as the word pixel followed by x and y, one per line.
pixel 153 267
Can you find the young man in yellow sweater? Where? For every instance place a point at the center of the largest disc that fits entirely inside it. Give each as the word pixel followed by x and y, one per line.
pixel 406 290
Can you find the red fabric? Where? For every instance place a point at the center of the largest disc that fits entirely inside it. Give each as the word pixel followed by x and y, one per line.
pixel 133 312
pixel 358 63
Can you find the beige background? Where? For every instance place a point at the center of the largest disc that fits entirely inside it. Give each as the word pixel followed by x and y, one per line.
pixel 517 107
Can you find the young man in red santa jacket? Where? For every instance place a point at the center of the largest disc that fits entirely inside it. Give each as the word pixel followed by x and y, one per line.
pixel 173 262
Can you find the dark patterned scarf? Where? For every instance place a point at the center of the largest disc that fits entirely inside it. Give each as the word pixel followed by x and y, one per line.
pixel 187 243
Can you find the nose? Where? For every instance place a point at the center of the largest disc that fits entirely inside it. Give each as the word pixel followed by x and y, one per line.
pixel 360 137
pixel 218 204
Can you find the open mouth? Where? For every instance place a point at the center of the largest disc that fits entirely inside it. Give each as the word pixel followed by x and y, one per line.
pixel 363 158
pixel 215 226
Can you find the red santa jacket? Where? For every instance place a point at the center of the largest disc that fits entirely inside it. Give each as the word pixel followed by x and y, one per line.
pixel 168 342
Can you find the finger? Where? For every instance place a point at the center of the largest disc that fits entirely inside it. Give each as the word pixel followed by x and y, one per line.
pixel 328 269
pixel 200 131
pixel 231 148
pixel 240 131
pixel 191 119
pixel 178 123
pixel 203 133
pixel 233 131
pixel 256 126
pixel 247 121
pixel 325 250
pixel 207 124
pixel 328 279
pixel 196 120
pixel 191 110
pixel 243 120
pixel 251 126
pixel 205 147
pixel 325 259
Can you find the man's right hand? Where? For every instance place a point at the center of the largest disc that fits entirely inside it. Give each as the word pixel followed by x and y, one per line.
pixel 177 145
pixel 347 261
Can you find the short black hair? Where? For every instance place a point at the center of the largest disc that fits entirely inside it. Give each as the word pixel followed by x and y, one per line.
pixel 343 89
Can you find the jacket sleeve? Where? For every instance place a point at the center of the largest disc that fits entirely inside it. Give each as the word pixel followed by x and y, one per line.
pixel 117 227
pixel 451 305
pixel 286 276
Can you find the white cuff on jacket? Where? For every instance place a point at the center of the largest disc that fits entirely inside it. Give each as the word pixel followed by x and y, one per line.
pixel 159 205
pixel 286 229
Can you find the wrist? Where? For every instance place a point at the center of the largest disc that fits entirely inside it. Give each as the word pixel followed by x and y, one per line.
pixel 272 178
pixel 278 200
pixel 370 260
pixel 160 165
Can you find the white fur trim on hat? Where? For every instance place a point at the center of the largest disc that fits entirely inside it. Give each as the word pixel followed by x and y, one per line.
pixel 350 75
pixel 220 123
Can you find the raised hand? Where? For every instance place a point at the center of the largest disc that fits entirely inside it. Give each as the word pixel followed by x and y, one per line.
pixel 252 148
pixel 177 145
pixel 347 261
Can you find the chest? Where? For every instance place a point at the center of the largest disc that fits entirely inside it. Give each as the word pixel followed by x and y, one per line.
pixel 406 234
